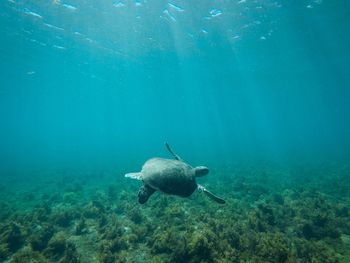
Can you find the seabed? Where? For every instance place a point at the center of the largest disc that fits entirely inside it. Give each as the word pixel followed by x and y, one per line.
pixel 300 214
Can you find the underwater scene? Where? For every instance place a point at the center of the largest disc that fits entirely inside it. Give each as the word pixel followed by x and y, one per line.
pixel 151 131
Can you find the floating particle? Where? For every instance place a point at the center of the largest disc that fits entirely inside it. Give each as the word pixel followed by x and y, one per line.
pixel 118 4
pixel 175 7
pixel 54 27
pixel 166 12
pixel 70 7
pixel 215 12
pixel 31 13
pixel 91 40
pixel 59 47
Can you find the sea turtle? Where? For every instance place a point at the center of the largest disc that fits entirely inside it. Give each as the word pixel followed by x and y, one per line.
pixel 170 176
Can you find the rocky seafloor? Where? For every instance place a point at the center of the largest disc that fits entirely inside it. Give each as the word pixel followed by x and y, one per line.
pixel 299 214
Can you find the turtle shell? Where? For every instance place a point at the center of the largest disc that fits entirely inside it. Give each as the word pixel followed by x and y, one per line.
pixel 169 176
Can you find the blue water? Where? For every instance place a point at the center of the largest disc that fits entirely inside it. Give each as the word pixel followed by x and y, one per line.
pixel 96 83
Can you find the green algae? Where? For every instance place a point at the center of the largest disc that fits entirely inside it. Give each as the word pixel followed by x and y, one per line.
pixel 80 227
pixel 11 239
pixel 90 222
pixel 40 237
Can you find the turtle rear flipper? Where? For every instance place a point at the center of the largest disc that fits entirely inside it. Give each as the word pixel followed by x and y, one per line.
pixel 211 195
pixel 144 193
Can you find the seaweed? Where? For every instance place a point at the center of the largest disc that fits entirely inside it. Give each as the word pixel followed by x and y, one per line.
pixel 40 238
pixel 272 247
pixel 203 246
pixel 170 242
pixel 63 219
pixel 70 254
pixel 56 246
pixel 135 215
pixel 260 223
pixel 80 228
pixel 92 211
pixel 315 251
pixel 11 238
pixel 42 212
pixel 4 251
pixel 27 255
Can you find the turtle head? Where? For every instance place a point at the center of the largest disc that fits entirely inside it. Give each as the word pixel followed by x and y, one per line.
pixel 200 171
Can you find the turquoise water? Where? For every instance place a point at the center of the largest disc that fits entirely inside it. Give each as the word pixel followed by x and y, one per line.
pixel 258 91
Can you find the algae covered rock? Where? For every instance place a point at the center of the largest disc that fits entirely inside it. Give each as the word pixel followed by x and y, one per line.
pixel 4 251
pixel 315 251
pixel 294 224
pixel 136 215
pixel 203 246
pixel 171 243
pixel 65 217
pixel 80 228
pixel 56 246
pixel 11 238
pixel 28 256
pixel 321 224
pixel 59 249
pixel 272 247
pixel 70 254
pixel 41 237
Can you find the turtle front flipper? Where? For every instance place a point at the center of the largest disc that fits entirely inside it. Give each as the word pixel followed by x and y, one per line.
pixel 144 193
pixel 172 153
pixel 211 195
